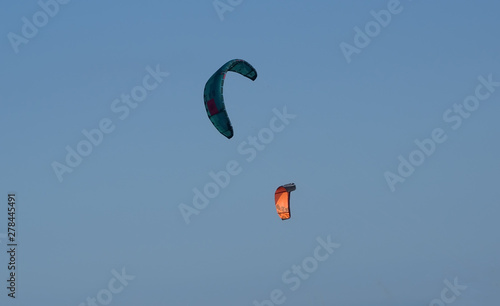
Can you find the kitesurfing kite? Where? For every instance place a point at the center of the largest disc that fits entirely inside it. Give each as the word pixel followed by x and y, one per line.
pixel 214 100
pixel 282 200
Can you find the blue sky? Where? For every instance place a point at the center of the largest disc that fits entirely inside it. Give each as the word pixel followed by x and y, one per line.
pixel 111 229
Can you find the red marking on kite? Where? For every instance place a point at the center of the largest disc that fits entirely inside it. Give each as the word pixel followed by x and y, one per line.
pixel 211 107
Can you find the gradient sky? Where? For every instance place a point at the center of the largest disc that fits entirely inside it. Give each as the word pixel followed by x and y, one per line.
pixel 119 208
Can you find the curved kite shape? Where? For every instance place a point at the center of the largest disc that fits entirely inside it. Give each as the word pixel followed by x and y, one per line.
pixel 282 200
pixel 214 100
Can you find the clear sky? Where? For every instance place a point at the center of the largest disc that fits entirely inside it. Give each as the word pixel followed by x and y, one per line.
pixel 383 113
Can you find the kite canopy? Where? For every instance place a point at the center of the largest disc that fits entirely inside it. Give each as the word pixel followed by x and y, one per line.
pixel 214 100
pixel 282 200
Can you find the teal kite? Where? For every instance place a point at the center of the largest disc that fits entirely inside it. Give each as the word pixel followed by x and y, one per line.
pixel 214 101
